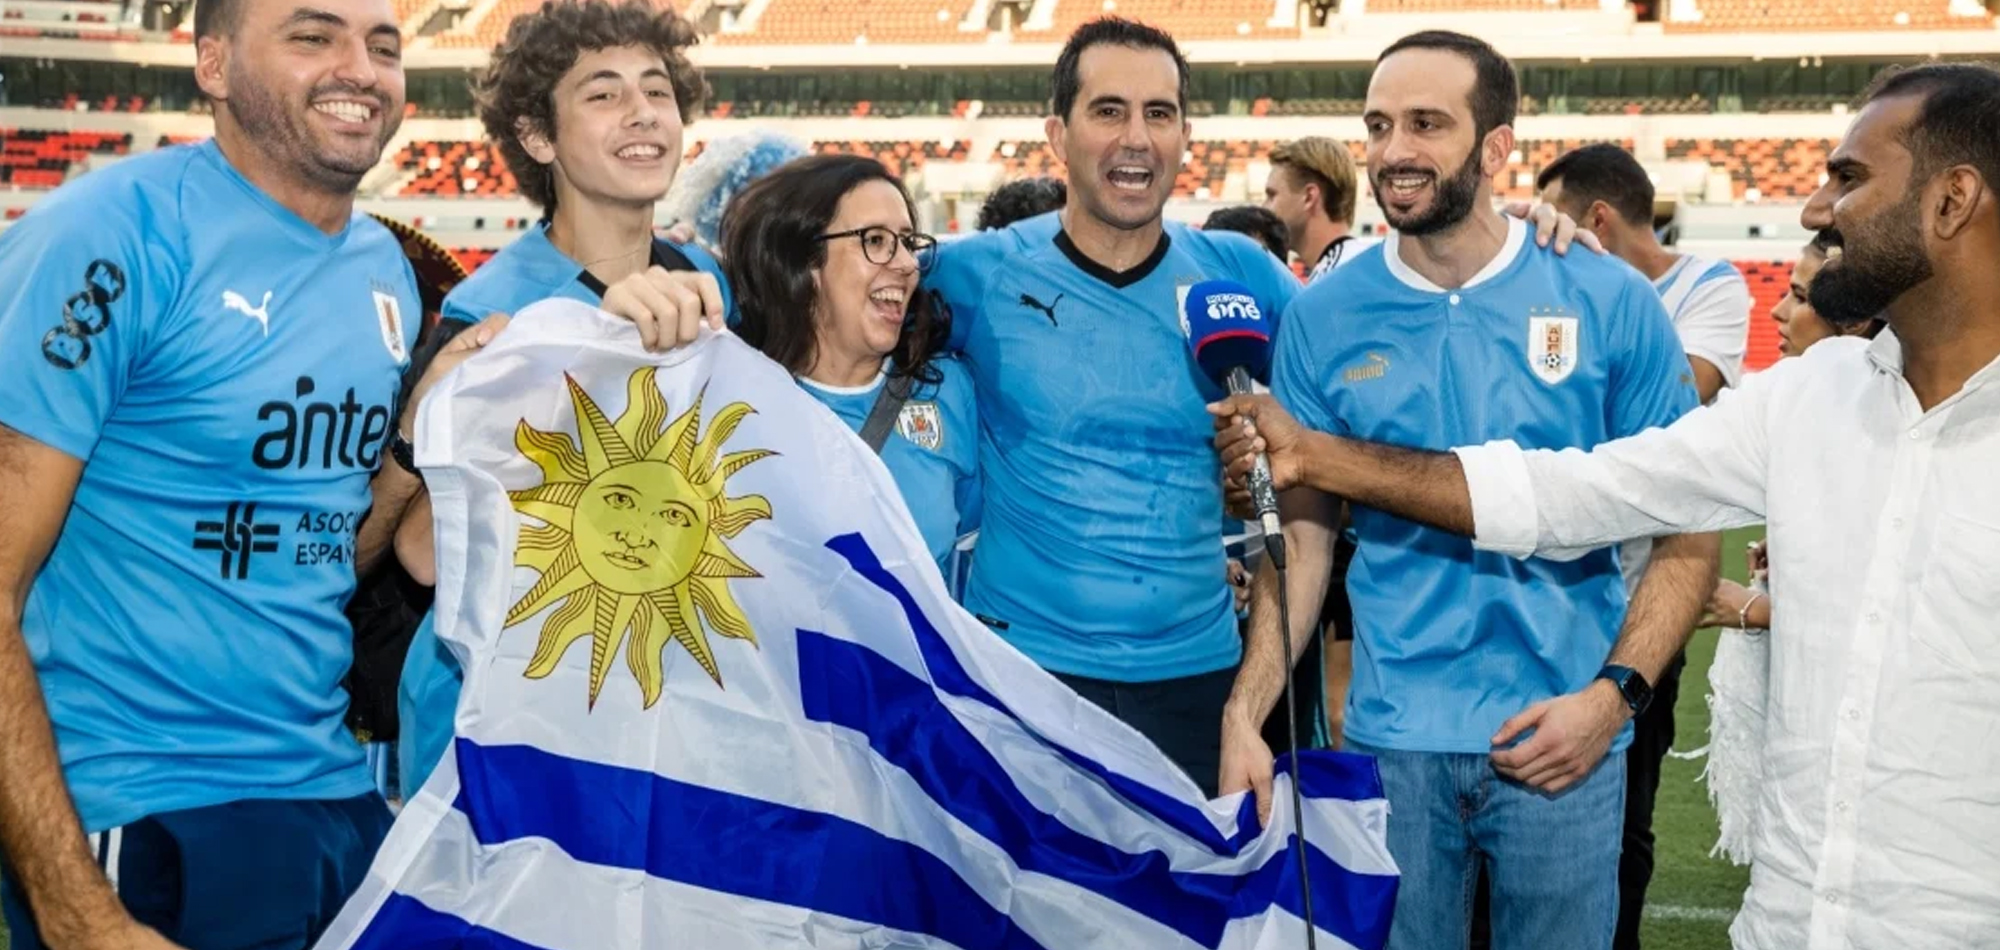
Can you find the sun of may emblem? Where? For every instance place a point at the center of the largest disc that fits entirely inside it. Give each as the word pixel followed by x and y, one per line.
pixel 631 534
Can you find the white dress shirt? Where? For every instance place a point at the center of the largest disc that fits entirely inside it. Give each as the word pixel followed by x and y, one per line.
pixel 1880 817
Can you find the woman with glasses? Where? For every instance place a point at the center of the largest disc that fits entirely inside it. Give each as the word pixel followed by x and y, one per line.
pixel 825 262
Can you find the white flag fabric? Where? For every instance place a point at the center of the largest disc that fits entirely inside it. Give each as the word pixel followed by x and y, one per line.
pixel 716 697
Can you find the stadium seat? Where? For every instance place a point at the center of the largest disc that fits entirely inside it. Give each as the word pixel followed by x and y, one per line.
pixel 1768 282
pixel 1773 168
pixel 450 169
pixel 41 158
pixel 1791 16
pixel 1185 19
pixel 846 22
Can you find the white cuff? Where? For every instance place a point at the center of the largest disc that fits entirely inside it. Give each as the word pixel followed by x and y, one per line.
pixel 1504 516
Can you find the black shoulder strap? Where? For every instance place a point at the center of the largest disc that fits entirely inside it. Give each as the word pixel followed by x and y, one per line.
pixel 665 256
pixel 882 418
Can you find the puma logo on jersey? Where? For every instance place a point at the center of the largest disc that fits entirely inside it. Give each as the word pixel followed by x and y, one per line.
pixel 232 300
pixel 1047 309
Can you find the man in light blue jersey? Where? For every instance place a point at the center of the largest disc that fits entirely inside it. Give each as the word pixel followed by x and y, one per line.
pixel 588 102
pixel 1100 552
pixel 1607 191
pixel 208 344
pixel 1472 333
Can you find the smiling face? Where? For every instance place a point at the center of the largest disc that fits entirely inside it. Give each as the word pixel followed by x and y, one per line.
pixel 618 129
pixel 1125 138
pixel 644 531
pixel 862 304
pixel 1870 215
pixel 318 89
pixel 1426 156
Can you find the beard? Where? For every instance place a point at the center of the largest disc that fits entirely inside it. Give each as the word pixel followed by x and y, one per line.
pixel 286 133
pixel 1881 260
pixel 1452 197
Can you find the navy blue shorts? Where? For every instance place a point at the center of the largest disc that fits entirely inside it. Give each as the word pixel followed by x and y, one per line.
pixel 250 875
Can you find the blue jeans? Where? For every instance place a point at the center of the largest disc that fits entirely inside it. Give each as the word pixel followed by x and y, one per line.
pixel 1553 860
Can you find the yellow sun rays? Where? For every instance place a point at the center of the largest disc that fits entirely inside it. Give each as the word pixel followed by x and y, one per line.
pixel 633 516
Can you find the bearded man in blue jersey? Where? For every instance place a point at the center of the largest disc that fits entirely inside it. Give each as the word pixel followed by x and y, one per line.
pixel 196 445
pixel 1495 694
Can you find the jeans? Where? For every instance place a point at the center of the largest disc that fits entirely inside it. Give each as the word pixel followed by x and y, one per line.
pixel 1553 860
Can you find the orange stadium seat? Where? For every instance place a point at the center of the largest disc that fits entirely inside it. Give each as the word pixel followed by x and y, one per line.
pixel 902 158
pixel 1479 6
pixel 1791 16
pixel 1185 19
pixel 844 22
pixel 1776 168
pixel 1518 181
pixel 1768 281
pixel 452 169
pixel 41 158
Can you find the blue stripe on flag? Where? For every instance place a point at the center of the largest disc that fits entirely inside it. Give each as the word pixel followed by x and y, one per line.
pixel 404 923
pixel 1334 774
pixel 848 685
pixel 718 841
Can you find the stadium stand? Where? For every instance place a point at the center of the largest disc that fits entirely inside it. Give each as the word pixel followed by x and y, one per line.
pixel 1768 282
pixel 487 31
pixel 450 169
pixel 1185 19
pixel 1479 6
pixel 1773 168
pixel 1787 16
pixel 39 158
pixel 846 22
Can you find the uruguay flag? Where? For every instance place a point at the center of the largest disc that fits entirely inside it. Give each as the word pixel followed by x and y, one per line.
pixel 717 697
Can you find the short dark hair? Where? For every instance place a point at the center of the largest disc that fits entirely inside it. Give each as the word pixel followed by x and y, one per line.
pixel 542 47
pixel 1604 172
pixel 1496 91
pixel 1067 82
pixel 1254 220
pixel 216 17
pixel 771 244
pixel 1022 199
pixel 1959 123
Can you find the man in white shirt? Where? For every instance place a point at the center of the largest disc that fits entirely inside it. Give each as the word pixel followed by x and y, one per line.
pixel 1609 193
pixel 1873 462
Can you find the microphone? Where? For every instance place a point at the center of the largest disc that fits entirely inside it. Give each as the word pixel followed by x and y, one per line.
pixel 1231 338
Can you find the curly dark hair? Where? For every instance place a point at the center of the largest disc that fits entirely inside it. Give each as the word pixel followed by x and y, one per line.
pixel 1021 199
pixel 771 246
pixel 540 48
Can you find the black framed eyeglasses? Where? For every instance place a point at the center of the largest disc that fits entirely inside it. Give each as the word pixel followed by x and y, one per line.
pixel 878 245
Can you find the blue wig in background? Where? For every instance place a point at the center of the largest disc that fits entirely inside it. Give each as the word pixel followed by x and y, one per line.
pixel 725 167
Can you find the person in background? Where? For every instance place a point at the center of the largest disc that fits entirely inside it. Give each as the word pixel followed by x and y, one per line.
pixel 1800 327
pixel 1608 192
pixel 1021 199
pixel 200 450
pixel 1313 188
pixel 1475 334
pixel 827 262
pixel 702 191
pixel 1253 221
pixel 588 101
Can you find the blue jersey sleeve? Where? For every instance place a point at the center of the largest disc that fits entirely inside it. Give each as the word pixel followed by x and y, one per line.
pixel 955 282
pixel 965 414
pixel 707 264
pixel 1296 372
pixel 85 296
pixel 1651 384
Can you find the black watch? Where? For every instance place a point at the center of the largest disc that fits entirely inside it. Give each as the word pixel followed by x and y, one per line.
pixel 1638 693
pixel 403 452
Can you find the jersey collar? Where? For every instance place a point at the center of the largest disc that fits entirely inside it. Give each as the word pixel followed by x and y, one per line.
pixel 1517 238
pixel 1120 279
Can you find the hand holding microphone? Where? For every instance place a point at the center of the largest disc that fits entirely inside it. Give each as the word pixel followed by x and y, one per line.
pixel 1231 337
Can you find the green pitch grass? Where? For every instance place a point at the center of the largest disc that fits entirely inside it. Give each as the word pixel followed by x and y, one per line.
pixel 1693 895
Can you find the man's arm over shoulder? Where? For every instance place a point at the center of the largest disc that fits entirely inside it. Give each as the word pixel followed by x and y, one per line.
pixel 1714 328
pixel 957 280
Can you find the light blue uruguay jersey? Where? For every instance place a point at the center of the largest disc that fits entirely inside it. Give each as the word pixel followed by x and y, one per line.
pixel 1545 351
pixel 528 271
pixel 532 269
pixel 227 373
pixel 1100 547
pixel 932 451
